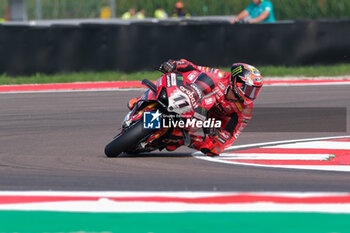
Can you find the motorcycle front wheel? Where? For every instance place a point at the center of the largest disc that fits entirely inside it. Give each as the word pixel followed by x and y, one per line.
pixel 130 138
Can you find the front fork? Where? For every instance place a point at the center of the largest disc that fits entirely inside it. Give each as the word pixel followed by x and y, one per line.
pixel 135 115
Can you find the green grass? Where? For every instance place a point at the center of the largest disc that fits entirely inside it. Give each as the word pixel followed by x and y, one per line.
pixel 78 77
pixel 267 71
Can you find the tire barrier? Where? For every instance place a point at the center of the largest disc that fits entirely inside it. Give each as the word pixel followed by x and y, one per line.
pixel 30 49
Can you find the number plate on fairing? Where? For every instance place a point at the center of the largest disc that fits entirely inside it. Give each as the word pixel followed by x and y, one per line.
pixel 179 102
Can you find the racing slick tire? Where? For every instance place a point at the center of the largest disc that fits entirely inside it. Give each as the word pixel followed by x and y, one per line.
pixel 130 138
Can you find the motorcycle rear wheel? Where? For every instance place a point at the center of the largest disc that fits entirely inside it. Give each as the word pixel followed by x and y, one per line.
pixel 130 138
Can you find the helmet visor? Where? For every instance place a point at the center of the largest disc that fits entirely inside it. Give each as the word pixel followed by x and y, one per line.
pixel 251 92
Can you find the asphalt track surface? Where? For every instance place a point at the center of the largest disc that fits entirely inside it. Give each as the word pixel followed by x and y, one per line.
pixel 55 141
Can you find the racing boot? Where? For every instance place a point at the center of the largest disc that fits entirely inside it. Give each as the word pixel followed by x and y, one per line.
pixel 206 146
pixel 210 153
pixel 175 140
pixel 172 147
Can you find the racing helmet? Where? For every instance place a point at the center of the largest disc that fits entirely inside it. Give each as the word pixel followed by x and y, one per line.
pixel 246 82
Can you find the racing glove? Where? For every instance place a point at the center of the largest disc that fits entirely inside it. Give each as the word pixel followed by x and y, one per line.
pixel 168 66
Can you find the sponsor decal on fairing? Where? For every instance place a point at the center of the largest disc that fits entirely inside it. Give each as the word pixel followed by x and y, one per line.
pixel 192 76
pixel 168 83
pixel 217 91
pixel 173 79
pixel 197 89
pixel 190 94
pixel 222 86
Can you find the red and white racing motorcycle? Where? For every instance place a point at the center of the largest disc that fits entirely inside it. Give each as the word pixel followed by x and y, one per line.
pixel 166 106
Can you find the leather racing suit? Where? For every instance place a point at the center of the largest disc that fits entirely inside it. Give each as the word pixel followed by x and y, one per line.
pixel 211 86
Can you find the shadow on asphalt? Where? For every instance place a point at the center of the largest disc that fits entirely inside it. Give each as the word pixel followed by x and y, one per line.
pixel 156 155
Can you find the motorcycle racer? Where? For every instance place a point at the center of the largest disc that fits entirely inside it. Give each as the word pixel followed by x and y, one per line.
pixel 221 95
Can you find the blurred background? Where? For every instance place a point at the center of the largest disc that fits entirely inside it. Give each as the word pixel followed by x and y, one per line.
pixel 64 36
pixel 69 9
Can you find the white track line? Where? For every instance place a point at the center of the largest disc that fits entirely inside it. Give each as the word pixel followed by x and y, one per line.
pixel 305 84
pixel 315 145
pixel 339 168
pixel 296 78
pixel 182 194
pixel 270 156
pixel 282 142
pixel 103 204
